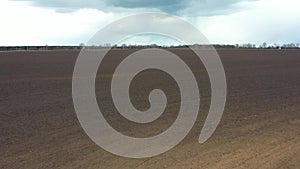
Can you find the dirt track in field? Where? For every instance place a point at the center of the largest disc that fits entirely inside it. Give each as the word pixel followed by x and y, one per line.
pixel 260 127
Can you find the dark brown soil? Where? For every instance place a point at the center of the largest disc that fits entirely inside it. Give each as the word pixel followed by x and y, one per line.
pixel 260 127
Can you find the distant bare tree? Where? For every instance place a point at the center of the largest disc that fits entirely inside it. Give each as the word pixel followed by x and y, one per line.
pixel 264 45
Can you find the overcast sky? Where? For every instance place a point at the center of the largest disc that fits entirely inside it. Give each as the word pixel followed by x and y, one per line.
pixel 70 22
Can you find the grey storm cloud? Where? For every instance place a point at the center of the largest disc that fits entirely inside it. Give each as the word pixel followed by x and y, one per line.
pixel 169 6
pixel 186 7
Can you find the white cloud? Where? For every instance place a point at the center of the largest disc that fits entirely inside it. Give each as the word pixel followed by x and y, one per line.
pixel 254 21
pixel 272 21
pixel 23 24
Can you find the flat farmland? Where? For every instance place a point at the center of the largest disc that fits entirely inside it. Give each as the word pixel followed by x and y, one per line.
pixel 260 127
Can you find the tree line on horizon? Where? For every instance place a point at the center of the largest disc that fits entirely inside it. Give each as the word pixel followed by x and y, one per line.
pixel 125 46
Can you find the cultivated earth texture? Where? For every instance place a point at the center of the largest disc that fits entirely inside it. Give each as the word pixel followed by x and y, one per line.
pixel 260 127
